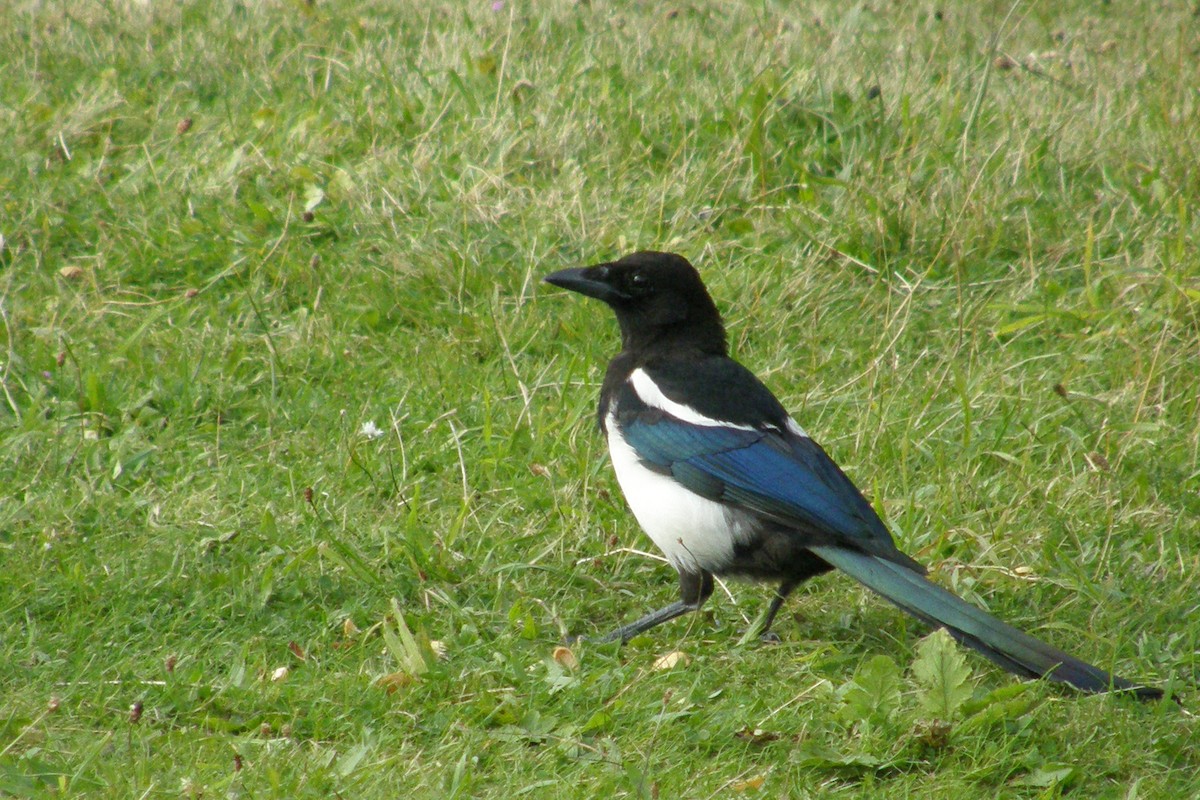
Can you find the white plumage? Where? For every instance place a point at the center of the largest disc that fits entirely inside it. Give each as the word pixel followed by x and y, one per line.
pixel 693 532
pixel 690 530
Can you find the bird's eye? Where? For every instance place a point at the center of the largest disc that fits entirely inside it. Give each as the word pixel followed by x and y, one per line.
pixel 639 280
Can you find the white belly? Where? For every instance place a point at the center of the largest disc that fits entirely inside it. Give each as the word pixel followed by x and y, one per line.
pixel 694 533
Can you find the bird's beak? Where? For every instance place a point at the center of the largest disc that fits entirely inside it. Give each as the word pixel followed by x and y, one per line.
pixel 588 281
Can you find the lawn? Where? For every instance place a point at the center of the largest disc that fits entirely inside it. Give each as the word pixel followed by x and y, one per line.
pixel 300 485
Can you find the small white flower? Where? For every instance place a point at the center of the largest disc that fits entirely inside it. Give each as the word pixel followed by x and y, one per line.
pixel 370 430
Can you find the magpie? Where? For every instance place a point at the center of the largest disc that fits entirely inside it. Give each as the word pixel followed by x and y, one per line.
pixel 726 483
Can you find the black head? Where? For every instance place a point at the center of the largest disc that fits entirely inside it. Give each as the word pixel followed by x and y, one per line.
pixel 658 299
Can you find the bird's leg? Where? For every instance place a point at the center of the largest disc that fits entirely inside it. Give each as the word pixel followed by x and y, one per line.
pixel 781 594
pixel 694 589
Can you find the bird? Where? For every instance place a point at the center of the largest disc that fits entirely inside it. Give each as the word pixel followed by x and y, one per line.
pixel 727 483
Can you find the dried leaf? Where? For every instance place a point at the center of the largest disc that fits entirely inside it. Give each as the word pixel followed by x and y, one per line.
pixel 566 658
pixel 756 735
pixel 671 660
pixel 313 196
pixel 395 681
pixel 750 784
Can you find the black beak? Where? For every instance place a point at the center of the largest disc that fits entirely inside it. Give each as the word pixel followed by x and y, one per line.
pixel 589 281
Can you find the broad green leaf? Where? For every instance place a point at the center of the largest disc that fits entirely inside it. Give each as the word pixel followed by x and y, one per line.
pixel 1002 694
pixel 874 692
pixel 943 675
pixel 403 645
pixel 1048 775
pixel 822 757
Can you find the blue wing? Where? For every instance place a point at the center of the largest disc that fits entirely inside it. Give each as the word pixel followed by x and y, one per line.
pixel 775 473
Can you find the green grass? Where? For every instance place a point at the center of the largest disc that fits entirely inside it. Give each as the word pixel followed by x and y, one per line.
pixel 961 246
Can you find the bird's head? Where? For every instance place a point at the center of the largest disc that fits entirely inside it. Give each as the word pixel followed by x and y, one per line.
pixel 658 299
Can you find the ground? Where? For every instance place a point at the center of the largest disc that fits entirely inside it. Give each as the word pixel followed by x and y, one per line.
pixel 302 489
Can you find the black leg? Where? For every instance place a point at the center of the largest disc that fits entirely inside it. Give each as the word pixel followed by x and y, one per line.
pixel 802 566
pixel 694 589
pixel 781 594
pixel 777 602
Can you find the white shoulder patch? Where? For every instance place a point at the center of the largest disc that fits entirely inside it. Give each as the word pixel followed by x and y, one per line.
pixel 794 427
pixel 649 393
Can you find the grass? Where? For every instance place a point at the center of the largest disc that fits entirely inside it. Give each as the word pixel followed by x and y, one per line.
pixel 959 241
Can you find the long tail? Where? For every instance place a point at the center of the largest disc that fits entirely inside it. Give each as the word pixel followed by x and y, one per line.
pixel 1013 650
